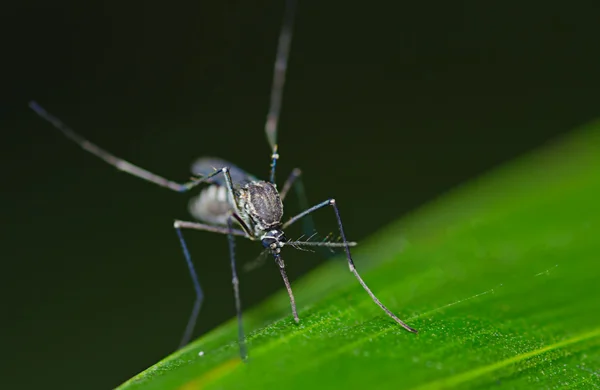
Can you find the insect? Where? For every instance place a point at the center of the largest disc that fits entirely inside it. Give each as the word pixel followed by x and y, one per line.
pixel 235 203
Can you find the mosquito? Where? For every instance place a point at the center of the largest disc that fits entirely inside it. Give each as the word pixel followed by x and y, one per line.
pixel 237 204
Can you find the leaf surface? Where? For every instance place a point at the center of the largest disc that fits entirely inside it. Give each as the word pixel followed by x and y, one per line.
pixel 500 276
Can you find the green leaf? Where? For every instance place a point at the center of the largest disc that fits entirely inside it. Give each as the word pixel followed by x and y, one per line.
pixel 500 277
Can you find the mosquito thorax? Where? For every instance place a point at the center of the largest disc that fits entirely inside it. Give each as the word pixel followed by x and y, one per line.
pixel 261 206
pixel 274 240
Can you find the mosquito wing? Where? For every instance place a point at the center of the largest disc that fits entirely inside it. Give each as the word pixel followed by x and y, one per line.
pixel 207 165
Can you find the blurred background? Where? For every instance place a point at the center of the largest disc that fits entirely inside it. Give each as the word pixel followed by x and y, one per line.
pixel 387 106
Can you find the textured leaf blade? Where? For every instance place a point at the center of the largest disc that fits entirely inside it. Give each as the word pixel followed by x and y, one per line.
pixel 498 276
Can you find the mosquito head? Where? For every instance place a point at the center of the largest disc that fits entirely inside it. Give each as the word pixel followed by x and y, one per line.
pixel 274 240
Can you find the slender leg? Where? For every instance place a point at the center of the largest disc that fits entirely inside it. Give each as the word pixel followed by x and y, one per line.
pixel 306 212
pixel 113 160
pixel 331 202
pixel 274 158
pixel 281 264
pixel 283 51
pixel 236 290
pixel 208 228
pixel 295 179
pixel 294 175
pixel 281 60
pixel 189 329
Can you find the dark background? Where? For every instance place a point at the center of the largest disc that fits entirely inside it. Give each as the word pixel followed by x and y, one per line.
pixel 387 106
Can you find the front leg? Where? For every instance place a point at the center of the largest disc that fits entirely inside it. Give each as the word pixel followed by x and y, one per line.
pixel 295 179
pixel 331 202
pixel 288 286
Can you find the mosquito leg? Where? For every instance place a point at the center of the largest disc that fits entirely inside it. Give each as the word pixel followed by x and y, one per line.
pixel 189 329
pixel 236 289
pixel 291 180
pixel 199 294
pixel 283 51
pixel 113 160
pixel 274 158
pixel 295 179
pixel 305 213
pixel 208 228
pixel 281 61
pixel 331 202
pixel 281 264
